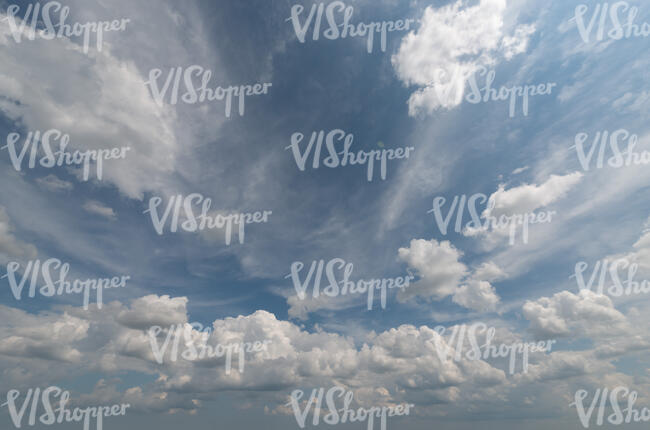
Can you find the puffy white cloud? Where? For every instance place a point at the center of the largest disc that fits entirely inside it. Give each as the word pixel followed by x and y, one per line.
pixel 47 337
pixel 528 197
pixel 151 310
pixel 441 274
pixel 477 295
pixel 567 314
pixel 398 365
pixel 437 264
pixel 116 338
pixel 489 271
pixel 450 44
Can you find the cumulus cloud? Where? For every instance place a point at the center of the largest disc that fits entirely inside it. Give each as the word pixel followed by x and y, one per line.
pixel 441 273
pixel 567 314
pixel 451 43
pixel 477 295
pixel 489 271
pixel 437 264
pixel 116 338
pixel 154 310
pixel 401 364
pixel 48 337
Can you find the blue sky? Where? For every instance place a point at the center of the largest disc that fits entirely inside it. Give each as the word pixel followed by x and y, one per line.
pixel 387 100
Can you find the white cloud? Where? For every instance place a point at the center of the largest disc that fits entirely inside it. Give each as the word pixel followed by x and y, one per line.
pixel 46 337
pixel 441 274
pixel 154 310
pixel 567 314
pixel 517 43
pixel 528 197
pixel 437 264
pixel 97 208
pixel 477 295
pixel 394 366
pixel 450 44
pixel 489 271
pixel 114 338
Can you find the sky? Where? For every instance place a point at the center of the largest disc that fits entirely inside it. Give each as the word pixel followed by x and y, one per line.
pixel 460 147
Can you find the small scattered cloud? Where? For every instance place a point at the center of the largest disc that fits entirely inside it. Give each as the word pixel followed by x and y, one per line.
pixel 97 208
